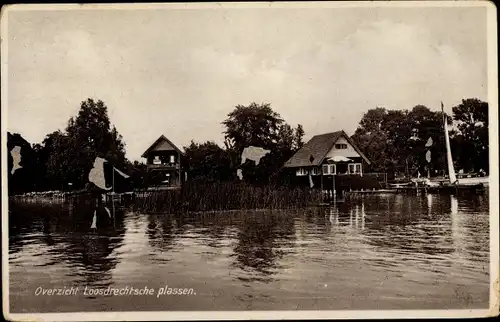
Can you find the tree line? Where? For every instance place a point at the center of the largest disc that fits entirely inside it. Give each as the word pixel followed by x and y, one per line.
pixel 394 140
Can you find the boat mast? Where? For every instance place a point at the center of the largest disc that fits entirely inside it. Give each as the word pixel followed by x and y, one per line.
pixel 451 170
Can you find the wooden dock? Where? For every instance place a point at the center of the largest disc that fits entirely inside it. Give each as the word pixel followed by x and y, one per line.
pixel 448 189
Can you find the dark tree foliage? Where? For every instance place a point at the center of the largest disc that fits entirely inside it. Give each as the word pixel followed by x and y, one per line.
pixel 90 135
pixel 63 160
pixel 471 139
pixel 23 179
pixel 394 140
pixel 207 162
pixel 256 125
pixel 260 126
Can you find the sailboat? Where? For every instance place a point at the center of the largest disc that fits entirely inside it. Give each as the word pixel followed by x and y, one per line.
pixel 462 182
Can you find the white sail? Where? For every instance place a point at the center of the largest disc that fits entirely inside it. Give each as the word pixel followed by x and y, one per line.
pixel 451 169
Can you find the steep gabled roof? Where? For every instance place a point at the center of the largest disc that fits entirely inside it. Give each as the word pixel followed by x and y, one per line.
pixel 161 138
pixel 351 142
pixel 318 147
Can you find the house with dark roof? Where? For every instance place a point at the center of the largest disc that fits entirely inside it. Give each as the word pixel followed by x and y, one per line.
pixel 163 159
pixel 328 154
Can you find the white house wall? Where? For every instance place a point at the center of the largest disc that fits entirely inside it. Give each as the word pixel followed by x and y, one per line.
pixel 349 152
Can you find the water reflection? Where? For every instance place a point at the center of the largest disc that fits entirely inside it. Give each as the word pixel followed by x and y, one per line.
pixel 429 204
pixel 63 233
pixel 398 246
pixel 351 215
pixel 161 231
pixel 263 239
pixel 407 225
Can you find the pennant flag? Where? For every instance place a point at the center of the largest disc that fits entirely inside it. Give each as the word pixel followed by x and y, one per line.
pixel 16 158
pixel 428 156
pixel 311 184
pixel 108 211
pixel 429 143
pixel 121 173
pixel 96 174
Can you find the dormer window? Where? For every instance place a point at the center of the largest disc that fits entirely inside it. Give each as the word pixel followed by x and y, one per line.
pixel 340 146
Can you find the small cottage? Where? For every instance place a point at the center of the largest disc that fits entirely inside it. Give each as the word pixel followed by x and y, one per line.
pixel 163 159
pixel 332 161
pixel 330 153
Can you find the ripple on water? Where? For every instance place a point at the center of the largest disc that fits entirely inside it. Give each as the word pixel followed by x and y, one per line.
pixel 378 253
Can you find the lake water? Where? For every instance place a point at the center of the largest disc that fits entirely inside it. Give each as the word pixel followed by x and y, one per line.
pixel 377 252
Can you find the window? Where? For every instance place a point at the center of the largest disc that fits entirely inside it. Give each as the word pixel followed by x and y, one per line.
pixel 301 172
pixel 316 171
pixel 329 169
pixel 341 146
pixel 156 160
pixel 355 168
pixel 172 159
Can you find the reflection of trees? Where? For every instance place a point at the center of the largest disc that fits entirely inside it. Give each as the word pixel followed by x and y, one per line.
pixel 65 229
pixel 161 231
pixel 214 225
pixel 20 224
pixel 262 238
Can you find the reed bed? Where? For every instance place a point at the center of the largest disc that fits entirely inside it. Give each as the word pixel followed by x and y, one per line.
pixel 223 197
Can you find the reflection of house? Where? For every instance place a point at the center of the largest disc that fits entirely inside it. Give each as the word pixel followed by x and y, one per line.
pixel 164 161
pixel 330 153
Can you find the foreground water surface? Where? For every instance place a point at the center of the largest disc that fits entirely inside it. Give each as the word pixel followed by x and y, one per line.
pixel 377 252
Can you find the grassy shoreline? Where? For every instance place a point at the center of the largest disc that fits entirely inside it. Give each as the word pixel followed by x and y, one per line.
pixel 196 197
pixel 224 196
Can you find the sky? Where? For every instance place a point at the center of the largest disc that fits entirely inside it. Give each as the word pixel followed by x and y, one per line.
pixel 179 72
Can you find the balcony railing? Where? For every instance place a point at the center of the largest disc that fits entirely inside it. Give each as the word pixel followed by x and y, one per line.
pixel 175 166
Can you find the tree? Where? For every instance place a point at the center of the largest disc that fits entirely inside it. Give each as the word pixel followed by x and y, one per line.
pixel 87 136
pixel 471 117
pixel 299 135
pixel 23 179
pixel 139 174
pixel 260 126
pixel 207 162
pixel 256 125
pixel 372 139
pixel 394 140
pixel 427 124
pixel 49 170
